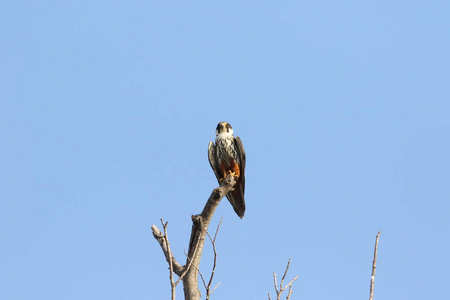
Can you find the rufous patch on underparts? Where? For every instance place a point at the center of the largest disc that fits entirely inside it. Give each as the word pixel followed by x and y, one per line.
pixel 233 167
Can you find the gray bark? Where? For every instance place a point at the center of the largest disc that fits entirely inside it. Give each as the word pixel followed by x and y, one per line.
pixel 189 272
pixel 198 235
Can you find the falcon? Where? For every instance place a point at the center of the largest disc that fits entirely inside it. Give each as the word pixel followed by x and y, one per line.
pixel 227 156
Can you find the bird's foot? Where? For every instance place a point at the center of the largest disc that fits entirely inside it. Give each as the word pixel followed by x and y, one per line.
pixel 229 172
pixel 232 174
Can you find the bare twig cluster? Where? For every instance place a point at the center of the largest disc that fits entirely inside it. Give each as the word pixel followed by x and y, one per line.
pixel 279 290
pixel 213 242
pixel 188 273
pixel 174 266
pixel 374 266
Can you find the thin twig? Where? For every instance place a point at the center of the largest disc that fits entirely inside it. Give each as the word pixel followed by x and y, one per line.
pixel 213 242
pixel 284 275
pixel 282 289
pixel 374 267
pixel 290 292
pixel 275 282
pixel 186 269
pixel 290 283
pixel 159 236
pixel 217 285
pixel 203 279
pixel 166 239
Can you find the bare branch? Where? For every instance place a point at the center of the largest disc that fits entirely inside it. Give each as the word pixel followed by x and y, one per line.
pixel 189 273
pixel 204 282
pixel 167 244
pixel 290 283
pixel 282 289
pixel 199 228
pixel 188 266
pixel 217 285
pixel 284 275
pixel 203 279
pixel 275 282
pixel 290 292
pixel 174 266
pixel 217 229
pixel 160 237
pixel 213 242
pixel 374 266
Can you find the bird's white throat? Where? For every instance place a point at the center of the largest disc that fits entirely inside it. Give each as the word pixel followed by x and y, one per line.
pixel 225 134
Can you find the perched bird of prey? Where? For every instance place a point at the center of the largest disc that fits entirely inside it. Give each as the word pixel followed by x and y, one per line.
pixel 226 157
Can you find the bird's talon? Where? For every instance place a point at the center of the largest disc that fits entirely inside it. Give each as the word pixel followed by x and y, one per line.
pixel 233 174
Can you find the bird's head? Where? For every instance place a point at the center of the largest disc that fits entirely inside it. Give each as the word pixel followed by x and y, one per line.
pixel 224 129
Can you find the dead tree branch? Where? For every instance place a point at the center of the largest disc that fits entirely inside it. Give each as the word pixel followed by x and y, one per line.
pixel 282 288
pixel 189 272
pixel 198 234
pixel 161 238
pixel 174 266
pixel 374 266
pixel 213 242
pixel 166 240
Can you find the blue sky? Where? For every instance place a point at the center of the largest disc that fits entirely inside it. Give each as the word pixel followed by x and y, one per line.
pixel 107 108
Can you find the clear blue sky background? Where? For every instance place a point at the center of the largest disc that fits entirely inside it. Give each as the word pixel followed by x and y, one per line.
pixel 107 108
